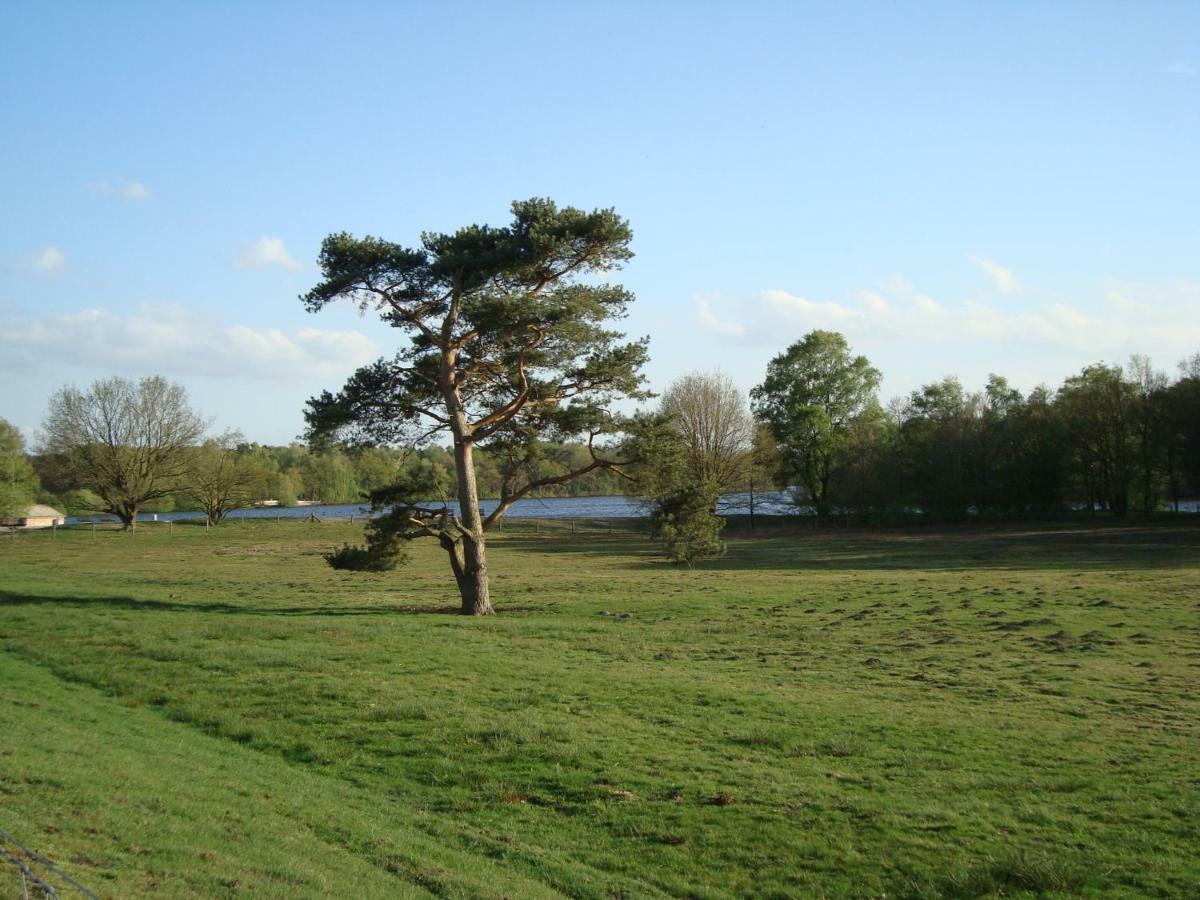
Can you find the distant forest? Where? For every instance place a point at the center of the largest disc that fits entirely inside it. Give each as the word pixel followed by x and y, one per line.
pixel 297 473
pixel 1121 440
pixel 1111 439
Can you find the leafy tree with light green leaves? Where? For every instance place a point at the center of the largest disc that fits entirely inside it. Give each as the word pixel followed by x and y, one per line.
pixel 222 477
pixel 813 395
pixel 508 345
pixel 18 482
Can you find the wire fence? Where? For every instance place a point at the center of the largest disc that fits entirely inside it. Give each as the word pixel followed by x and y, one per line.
pixel 34 874
pixel 557 525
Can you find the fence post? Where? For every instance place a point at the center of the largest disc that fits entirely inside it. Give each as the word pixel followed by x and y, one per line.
pixel 93 529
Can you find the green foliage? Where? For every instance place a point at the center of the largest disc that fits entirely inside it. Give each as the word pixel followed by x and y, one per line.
pixel 372 558
pixel 687 526
pixel 401 511
pixel 224 475
pixel 814 396
pixel 661 472
pixel 18 482
pixel 1097 406
pixel 530 348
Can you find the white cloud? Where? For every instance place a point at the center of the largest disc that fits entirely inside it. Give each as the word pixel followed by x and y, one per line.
pixel 875 302
pixel 49 260
pixel 709 322
pixel 794 307
pixel 1179 67
pixel 136 191
pixel 1124 318
pixel 928 305
pixel 761 319
pixel 174 342
pixel 266 251
pixel 1004 279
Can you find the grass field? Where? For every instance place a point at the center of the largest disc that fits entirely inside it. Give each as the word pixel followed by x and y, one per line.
pixel 1010 713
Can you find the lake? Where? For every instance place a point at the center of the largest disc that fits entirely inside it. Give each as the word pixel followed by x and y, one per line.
pixel 775 503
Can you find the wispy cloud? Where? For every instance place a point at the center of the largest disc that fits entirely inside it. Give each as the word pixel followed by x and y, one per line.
pixel 172 341
pixel 1179 67
pixel 47 261
pixel 710 323
pixel 135 191
pixel 266 251
pixel 1123 318
pixel 1001 276
pixel 875 302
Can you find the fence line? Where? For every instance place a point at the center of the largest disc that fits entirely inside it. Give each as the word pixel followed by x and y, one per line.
pixel 26 870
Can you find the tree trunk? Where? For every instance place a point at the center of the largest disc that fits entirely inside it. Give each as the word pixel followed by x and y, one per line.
pixel 473 585
pixel 128 516
pixel 471 572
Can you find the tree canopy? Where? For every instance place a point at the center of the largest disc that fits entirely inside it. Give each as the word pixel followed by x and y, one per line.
pixel 127 441
pixel 813 396
pixel 509 344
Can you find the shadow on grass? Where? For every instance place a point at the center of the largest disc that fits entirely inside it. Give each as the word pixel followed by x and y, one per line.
pixel 12 598
pixel 1073 546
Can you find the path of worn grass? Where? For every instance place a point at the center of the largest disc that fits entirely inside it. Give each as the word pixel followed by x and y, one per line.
pixel 850 714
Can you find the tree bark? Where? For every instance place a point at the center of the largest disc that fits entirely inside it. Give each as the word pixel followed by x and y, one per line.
pixel 473 586
pixel 472 572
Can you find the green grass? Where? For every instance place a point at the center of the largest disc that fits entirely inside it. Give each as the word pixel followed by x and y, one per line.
pixel 920 714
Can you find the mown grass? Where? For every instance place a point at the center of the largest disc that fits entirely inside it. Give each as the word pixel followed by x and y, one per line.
pixel 911 713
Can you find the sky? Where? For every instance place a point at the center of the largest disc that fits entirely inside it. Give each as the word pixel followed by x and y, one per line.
pixel 960 189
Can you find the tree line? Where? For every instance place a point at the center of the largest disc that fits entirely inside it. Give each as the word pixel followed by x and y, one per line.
pixel 1118 440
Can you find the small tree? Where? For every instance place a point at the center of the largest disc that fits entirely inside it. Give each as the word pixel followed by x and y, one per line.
pixel 221 478
pixel 508 347
pixel 697 447
pixel 127 441
pixel 682 505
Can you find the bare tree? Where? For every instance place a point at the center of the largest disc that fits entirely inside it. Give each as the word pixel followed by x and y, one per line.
pixel 709 410
pixel 128 441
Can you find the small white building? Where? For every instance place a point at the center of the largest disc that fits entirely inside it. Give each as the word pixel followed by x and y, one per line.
pixel 36 516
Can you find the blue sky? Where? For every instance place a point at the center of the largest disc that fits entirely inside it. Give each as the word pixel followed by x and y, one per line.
pixel 959 188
